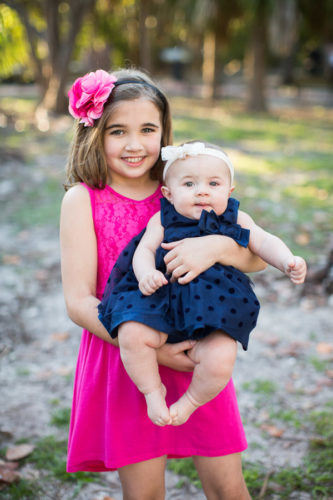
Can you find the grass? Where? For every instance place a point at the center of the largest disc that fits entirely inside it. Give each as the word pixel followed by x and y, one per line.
pixel 261 386
pixel 49 458
pixel 290 151
pixel 314 476
pixel 43 202
pixel 61 417
pixel 320 365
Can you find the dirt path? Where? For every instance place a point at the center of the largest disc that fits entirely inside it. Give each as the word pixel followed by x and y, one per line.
pixel 285 375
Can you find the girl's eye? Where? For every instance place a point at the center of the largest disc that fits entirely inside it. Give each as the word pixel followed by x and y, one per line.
pixel 147 130
pixel 117 132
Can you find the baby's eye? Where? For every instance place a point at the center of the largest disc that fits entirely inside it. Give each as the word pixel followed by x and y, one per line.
pixel 189 184
pixel 213 183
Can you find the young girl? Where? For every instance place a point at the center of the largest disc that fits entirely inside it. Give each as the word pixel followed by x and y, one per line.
pixel 115 172
pixel 218 305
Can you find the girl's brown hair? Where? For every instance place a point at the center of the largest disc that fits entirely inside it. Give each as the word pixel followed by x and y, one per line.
pixel 86 161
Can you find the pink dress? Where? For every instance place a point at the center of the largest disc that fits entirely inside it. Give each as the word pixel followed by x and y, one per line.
pixel 109 424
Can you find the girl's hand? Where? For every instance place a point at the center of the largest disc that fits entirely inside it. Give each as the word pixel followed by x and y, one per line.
pixel 188 258
pixel 295 269
pixel 151 281
pixel 174 356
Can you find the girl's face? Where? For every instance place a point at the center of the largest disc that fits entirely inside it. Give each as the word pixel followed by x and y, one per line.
pixel 198 183
pixel 132 140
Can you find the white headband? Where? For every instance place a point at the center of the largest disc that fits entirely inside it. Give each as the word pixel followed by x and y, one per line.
pixel 172 153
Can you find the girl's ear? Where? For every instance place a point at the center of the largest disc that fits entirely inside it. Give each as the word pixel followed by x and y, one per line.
pixel 166 193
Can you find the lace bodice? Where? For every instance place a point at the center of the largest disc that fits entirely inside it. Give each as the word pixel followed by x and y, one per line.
pixel 117 220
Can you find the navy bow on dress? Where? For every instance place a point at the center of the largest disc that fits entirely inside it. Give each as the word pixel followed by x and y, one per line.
pixel 210 223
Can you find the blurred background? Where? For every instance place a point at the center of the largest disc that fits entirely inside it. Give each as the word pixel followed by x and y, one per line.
pixel 255 77
pixel 216 48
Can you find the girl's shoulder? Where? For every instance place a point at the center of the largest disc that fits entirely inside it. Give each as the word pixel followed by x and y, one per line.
pixel 155 220
pixel 76 195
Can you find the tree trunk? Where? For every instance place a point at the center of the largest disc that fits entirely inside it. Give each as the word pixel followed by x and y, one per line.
pixel 256 62
pixel 209 66
pixel 51 72
pixel 144 37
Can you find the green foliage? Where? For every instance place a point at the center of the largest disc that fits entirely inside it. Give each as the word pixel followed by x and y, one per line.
pixel 21 490
pixel 259 386
pixel 288 151
pixel 314 476
pixel 14 49
pixel 44 204
pixel 49 455
pixel 61 417
pixel 185 467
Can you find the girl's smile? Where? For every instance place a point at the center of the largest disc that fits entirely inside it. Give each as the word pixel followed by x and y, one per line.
pixel 132 140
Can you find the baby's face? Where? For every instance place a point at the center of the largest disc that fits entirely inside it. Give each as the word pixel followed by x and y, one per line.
pixel 198 183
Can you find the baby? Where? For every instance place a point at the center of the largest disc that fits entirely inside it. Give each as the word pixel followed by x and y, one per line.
pixel 215 309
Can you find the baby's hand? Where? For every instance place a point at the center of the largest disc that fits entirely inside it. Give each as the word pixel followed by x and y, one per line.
pixel 151 281
pixel 296 270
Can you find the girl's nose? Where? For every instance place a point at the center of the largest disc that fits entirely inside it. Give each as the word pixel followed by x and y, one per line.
pixel 133 143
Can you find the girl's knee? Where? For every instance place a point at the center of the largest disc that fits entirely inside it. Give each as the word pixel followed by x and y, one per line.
pixel 222 477
pixel 144 480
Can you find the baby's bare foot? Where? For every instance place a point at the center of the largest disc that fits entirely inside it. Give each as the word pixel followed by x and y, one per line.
pixel 182 409
pixel 157 409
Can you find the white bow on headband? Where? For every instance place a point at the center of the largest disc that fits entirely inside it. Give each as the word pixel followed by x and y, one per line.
pixel 172 153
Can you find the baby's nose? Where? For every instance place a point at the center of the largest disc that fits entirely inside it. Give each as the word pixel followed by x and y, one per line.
pixel 201 189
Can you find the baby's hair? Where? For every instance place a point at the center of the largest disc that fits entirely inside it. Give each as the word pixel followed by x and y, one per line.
pixel 86 162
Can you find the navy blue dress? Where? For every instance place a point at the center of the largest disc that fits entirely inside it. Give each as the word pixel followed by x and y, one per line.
pixel 220 298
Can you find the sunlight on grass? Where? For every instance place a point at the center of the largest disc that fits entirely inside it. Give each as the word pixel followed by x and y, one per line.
pixel 283 166
pixel 17 104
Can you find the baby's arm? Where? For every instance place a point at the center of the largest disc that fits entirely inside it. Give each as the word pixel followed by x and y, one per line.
pixel 188 258
pixel 149 278
pixel 273 250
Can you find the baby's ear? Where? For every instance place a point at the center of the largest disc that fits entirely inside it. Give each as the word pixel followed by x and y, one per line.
pixel 231 190
pixel 166 193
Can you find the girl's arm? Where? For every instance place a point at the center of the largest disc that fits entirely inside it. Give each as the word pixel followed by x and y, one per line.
pixel 79 270
pixel 273 250
pixel 149 278
pixel 190 257
pixel 79 262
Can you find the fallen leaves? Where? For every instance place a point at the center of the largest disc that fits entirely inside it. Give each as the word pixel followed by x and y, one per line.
pixel 60 336
pixel 8 473
pixel 272 430
pixel 324 348
pixel 8 469
pixel 11 260
pixel 20 451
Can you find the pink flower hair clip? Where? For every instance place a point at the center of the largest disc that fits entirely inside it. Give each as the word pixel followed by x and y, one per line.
pixel 88 95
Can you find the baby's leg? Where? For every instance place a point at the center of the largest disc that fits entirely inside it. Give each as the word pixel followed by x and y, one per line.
pixel 138 344
pixel 214 359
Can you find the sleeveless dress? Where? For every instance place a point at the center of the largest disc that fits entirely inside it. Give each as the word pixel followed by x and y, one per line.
pixel 220 298
pixel 109 426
